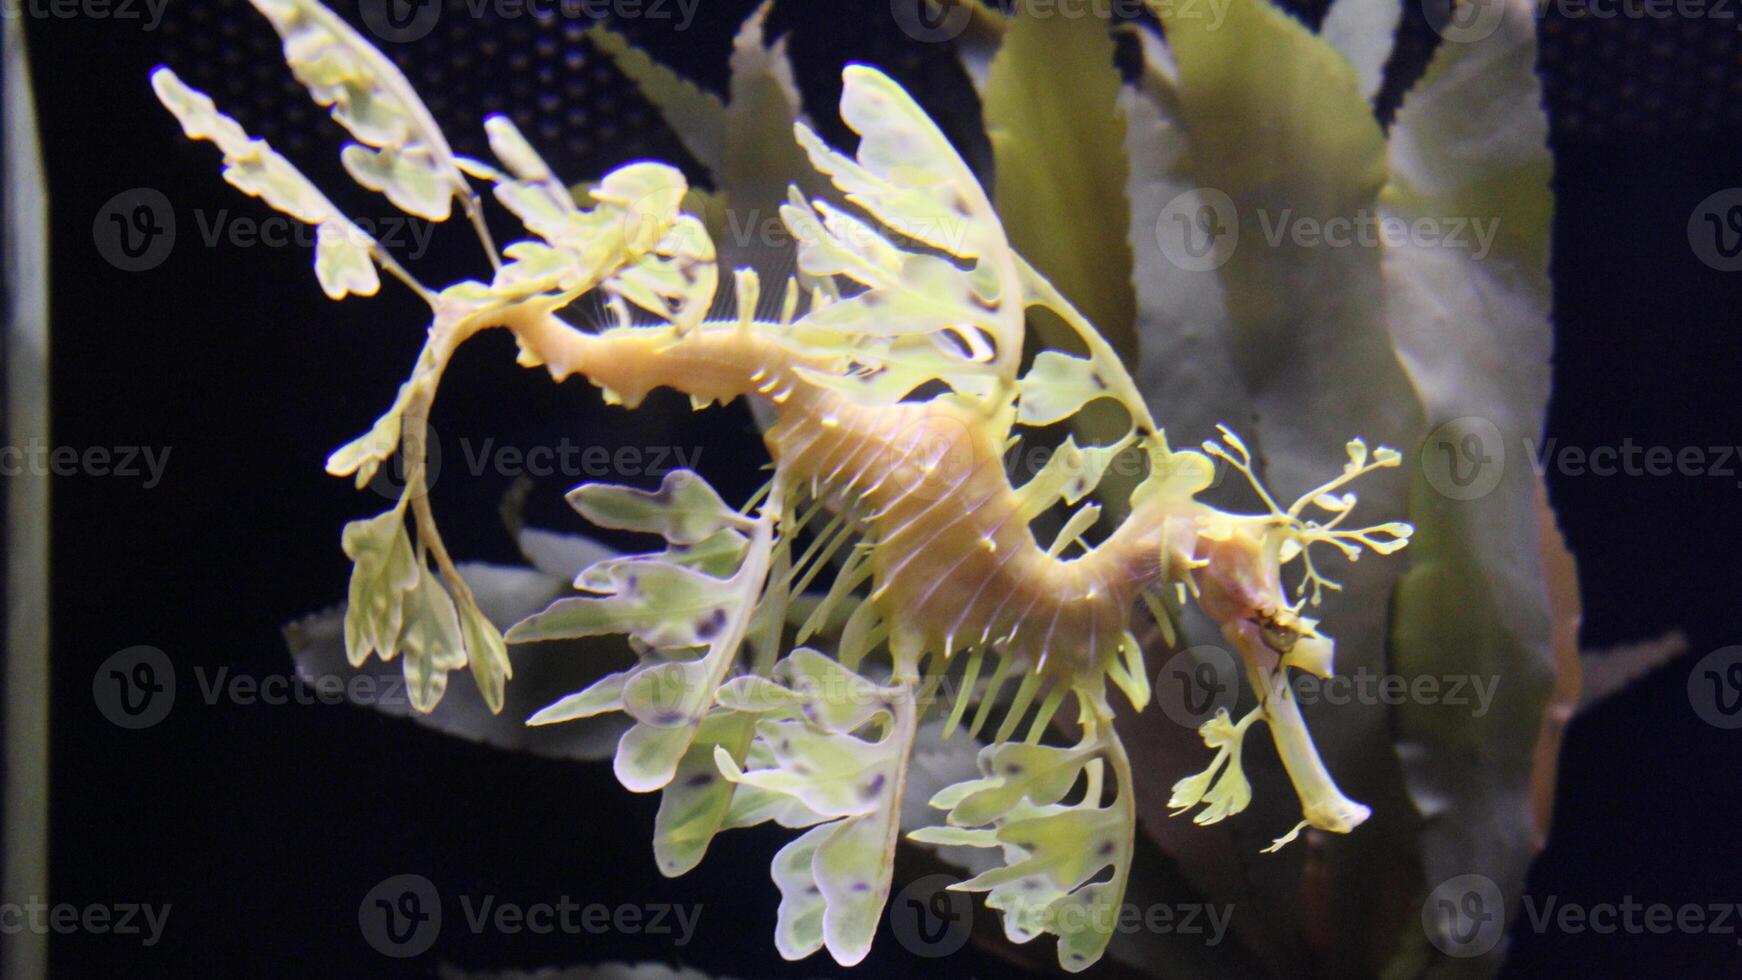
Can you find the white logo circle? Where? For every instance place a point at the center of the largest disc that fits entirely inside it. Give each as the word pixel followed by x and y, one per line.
pixel 1198 230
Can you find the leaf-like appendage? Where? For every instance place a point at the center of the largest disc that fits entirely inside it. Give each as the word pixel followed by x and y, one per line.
pixel 1069 474
pixel 684 510
pixel 633 243
pixel 431 641
pixel 659 603
pixel 798 928
pixel 1365 32
pixel 487 652
pixel 411 162
pixel 907 174
pixel 385 570
pixel 1054 853
pixel 603 695
pixel 815 755
pixel 676 279
pixel 918 318
pixel 669 606
pixel 694 806
pixel 343 254
pixel 1057 387
pixel 909 177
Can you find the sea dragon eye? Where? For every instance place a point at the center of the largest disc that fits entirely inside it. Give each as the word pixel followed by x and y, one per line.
pixel 1279 636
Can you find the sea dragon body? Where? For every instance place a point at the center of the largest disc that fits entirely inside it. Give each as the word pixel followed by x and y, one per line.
pixel 894 379
pixel 927 481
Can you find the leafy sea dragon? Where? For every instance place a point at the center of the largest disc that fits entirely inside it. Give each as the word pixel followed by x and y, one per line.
pixel 895 384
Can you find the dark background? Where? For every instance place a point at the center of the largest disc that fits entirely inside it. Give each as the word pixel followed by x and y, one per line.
pixel 264 825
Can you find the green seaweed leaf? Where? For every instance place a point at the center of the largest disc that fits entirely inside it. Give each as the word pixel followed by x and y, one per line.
pixel 696 116
pixel 1058 154
pixel 1364 31
pixel 1470 139
pixel 1292 342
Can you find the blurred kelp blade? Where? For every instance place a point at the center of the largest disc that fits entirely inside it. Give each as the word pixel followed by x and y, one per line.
pixel 24 416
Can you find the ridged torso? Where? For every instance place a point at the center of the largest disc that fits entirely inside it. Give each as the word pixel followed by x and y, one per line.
pixel 953 559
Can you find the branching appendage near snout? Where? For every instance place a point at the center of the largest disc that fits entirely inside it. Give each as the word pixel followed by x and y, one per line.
pixel 894 374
